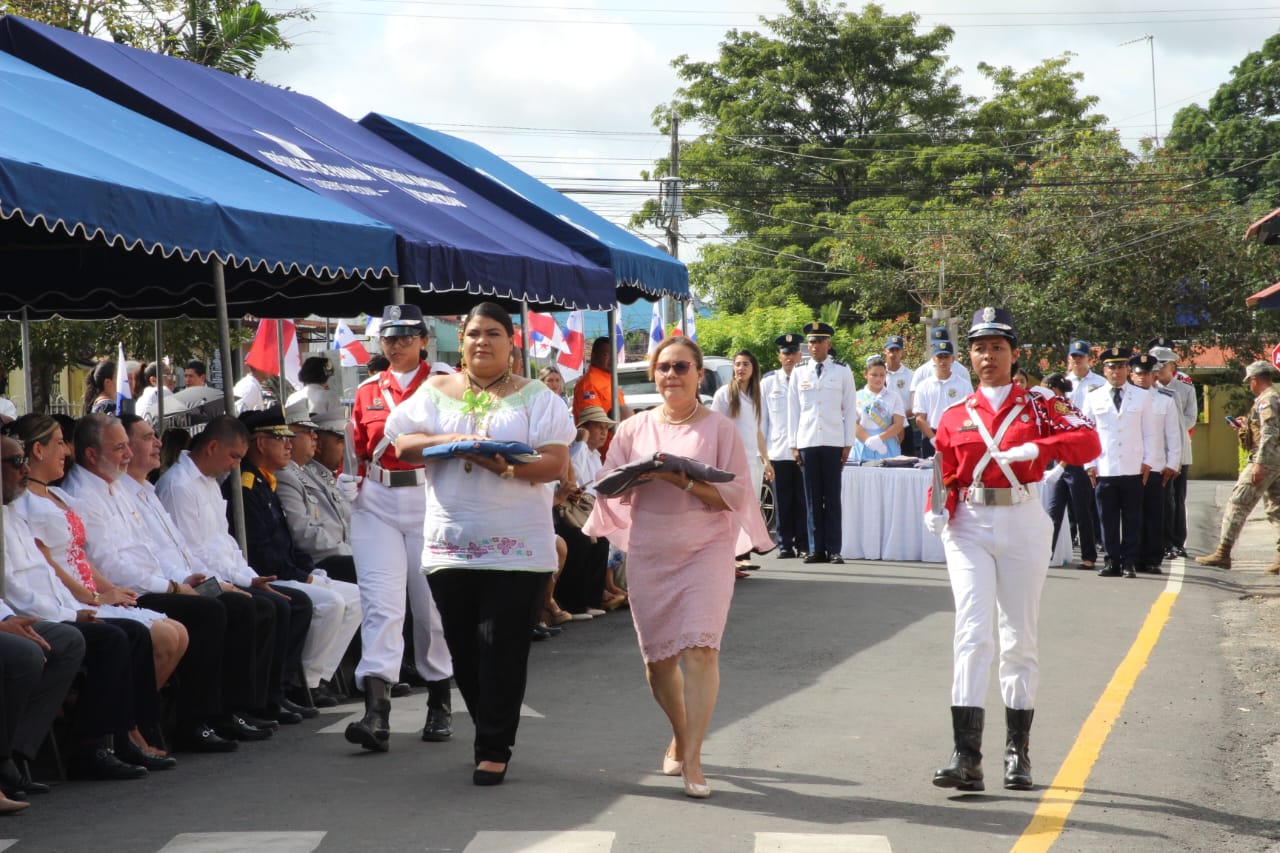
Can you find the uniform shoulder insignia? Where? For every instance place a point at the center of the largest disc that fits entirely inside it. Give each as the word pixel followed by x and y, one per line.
pixel 247 479
pixel 838 361
pixel 1166 392
pixel 370 380
pixel 767 375
pixel 1061 406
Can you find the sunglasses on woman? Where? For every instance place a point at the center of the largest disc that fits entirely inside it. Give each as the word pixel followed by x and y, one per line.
pixel 680 367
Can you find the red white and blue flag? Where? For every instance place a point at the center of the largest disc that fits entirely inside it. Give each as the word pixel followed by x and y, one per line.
pixel 690 322
pixel 572 357
pixel 351 351
pixel 264 354
pixel 544 335
pixel 655 328
pixel 619 341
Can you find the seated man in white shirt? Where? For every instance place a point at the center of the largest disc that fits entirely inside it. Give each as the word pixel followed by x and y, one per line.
pixel 312 512
pixel 192 503
pixel 229 655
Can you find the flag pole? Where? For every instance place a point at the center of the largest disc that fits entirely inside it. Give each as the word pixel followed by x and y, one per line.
pixel 280 357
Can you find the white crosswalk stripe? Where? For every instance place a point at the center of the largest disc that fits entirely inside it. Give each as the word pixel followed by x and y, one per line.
pixel 584 841
pixel 816 842
pixel 407 713
pixel 237 842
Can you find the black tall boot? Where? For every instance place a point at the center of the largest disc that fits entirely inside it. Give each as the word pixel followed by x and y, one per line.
pixel 965 770
pixel 439 726
pixel 1017 745
pixel 374 730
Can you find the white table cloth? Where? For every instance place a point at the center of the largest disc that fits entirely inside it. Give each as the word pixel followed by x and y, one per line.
pixel 882 516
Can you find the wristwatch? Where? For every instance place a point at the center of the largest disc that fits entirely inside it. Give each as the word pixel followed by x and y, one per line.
pixel 510 473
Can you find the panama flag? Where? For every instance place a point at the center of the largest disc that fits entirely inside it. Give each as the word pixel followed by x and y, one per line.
pixel 123 391
pixel 690 322
pixel 572 357
pixel 351 351
pixel 655 328
pixel 619 341
pixel 264 354
pixel 544 333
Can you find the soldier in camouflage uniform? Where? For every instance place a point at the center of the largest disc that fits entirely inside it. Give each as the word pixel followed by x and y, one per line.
pixel 1260 435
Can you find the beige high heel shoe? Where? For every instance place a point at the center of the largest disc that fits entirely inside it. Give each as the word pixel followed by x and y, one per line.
pixel 693 789
pixel 671 766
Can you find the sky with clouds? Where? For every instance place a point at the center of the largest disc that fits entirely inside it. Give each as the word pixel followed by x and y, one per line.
pixel 565 90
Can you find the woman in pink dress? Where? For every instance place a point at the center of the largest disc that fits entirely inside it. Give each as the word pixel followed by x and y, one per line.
pixel 679 534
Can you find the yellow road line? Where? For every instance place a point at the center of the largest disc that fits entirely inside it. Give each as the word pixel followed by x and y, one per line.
pixel 1061 795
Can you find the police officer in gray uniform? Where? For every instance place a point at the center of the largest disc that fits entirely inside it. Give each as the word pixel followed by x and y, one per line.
pixel 790 524
pixel 820 410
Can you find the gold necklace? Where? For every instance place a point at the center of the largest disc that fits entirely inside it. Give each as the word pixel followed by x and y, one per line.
pixel 669 419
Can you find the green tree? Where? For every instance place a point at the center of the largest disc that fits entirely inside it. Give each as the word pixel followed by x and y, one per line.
pixel 827 123
pixel 1238 135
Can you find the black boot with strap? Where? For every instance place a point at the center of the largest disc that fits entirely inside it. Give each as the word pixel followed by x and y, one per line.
pixel 1017 749
pixel 965 770
pixel 374 729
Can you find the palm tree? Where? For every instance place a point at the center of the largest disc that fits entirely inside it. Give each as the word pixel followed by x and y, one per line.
pixel 230 35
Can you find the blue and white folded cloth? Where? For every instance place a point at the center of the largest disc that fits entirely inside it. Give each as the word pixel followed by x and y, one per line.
pixel 514 452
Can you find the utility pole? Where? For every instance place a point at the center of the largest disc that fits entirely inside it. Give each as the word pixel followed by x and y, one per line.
pixel 1155 116
pixel 674 312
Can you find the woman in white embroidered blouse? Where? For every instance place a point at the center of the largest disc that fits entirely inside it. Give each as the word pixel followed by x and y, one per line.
pixel 489 546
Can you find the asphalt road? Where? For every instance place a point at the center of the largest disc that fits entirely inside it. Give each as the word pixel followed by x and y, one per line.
pixel 833 715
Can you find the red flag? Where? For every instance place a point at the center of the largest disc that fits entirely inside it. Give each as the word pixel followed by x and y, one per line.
pixel 264 355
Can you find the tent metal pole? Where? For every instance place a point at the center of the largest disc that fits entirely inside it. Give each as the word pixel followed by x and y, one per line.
pixel 228 395
pixel 280 358
pixel 615 411
pixel 397 291
pixel 525 337
pixel 28 385
pixel 159 377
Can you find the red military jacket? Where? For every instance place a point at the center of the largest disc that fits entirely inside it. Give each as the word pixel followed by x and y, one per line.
pixel 375 398
pixel 1053 424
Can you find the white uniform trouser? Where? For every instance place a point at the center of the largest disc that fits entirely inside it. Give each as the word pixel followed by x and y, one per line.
pixel 997 560
pixel 386 542
pixel 335 617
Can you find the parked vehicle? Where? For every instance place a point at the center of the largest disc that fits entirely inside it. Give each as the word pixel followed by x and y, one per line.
pixel 642 394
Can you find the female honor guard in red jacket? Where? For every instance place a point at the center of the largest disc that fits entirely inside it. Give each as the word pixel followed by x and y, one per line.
pixel 386 541
pixel 993 449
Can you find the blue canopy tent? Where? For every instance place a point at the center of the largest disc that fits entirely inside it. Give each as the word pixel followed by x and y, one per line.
pixel 640 269
pixel 105 212
pixel 453 244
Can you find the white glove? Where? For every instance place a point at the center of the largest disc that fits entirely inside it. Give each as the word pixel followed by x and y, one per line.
pixel 876 444
pixel 349 486
pixel 1021 453
pixel 935 522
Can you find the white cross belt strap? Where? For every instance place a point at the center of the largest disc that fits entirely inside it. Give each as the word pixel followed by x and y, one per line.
pixel 976 493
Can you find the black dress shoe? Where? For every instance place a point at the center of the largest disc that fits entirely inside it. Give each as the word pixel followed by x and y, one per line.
pixel 786 554
pixel 486 778
pixel 258 721
pixel 234 727
pixel 131 754
pixel 1179 551
pixel 11 779
pixel 1108 570
pixel 815 558
pixel 202 738
pixel 1129 572
pixel 281 715
pixel 323 697
pixel 836 559
pixel 307 713
pixel 102 764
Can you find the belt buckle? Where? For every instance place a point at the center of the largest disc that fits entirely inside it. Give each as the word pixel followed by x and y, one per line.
pixel 978 494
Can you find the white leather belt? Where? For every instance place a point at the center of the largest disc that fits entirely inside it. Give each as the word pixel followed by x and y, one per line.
pixel 396 479
pixel 986 496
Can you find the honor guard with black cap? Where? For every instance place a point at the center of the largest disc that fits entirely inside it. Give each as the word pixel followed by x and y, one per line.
pixel 386 541
pixel 821 415
pixel 790 524
pixel 1168 452
pixel 1074 487
pixel 992 452
pixel 1171 379
pixel 1259 434
pixel 1126 427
